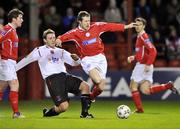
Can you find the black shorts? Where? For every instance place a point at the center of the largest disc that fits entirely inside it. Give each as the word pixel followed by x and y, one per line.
pixel 61 84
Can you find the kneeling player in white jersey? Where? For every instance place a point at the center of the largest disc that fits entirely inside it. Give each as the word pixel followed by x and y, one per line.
pixel 51 62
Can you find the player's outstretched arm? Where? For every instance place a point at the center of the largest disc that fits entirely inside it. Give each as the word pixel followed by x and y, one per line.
pixel 33 56
pixel 71 59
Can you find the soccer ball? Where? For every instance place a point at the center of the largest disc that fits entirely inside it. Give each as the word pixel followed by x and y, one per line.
pixel 123 111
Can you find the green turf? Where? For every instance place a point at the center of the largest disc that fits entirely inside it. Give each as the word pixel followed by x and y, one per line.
pixel 158 115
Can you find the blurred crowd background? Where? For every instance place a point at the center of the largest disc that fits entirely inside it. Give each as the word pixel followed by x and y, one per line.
pixel 163 26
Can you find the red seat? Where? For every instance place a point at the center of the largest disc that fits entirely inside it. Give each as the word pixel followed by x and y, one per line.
pixel 160 63
pixel 174 63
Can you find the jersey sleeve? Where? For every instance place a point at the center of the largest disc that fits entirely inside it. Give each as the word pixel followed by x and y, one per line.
pixel 151 48
pixel 68 36
pixel 33 56
pixel 67 59
pixel 4 34
pixel 104 26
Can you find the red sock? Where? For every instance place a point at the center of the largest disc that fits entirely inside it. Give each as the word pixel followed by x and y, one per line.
pixel 137 100
pixel 95 92
pixel 13 97
pixel 158 88
pixel 1 96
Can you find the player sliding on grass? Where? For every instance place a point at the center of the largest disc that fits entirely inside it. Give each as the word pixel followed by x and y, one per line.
pixel 51 62
pixel 90 46
pixel 142 74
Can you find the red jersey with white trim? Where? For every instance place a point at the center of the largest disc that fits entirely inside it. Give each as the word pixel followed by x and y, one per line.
pixel 89 42
pixel 9 43
pixel 145 50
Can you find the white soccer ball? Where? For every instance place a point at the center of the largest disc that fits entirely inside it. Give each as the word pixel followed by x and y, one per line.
pixel 123 111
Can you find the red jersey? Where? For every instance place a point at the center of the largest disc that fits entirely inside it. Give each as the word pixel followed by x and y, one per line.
pixel 145 50
pixel 88 42
pixel 8 43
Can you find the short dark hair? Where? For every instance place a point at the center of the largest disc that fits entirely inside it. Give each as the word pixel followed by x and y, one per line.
pixel 14 13
pixel 140 19
pixel 46 32
pixel 82 14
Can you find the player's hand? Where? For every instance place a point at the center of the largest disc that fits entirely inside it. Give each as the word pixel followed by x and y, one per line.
pixel 131 25
pixel 130 59
pixel 75 57
pixel 58 42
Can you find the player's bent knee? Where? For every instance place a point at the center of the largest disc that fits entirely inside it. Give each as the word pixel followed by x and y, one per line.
pixel 145 91
pixel 84 87
pixel 63 107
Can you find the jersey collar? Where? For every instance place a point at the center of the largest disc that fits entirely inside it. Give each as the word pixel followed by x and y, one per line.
pixel 141 33
pixel 11 25
pixel 80 28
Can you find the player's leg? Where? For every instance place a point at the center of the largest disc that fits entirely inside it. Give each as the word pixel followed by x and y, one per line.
pixel 136 78
pixel 96 68
pixel 56 110
pixel 145 87
pixel 163 87
pixel 3 77
pixel 13 98
pixel 77 86
pixel 136 96
pixel 3 86
pixel 99 83
pixel 85 100
pixel 57 88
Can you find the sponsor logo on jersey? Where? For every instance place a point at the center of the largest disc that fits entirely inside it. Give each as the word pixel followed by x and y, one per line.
pixel 87 42
pixel 54 59
pixel 147 41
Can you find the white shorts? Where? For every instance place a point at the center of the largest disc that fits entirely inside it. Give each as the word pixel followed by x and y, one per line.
pixel 139 75
pixel 7 70
pixel 98 61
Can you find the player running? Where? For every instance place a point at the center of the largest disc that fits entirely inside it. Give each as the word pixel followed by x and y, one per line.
pixel 51 63
pixel 8 56
pixel 142 75
pixel 90 46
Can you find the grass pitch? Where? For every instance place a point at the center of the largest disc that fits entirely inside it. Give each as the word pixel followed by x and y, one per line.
pixel 158 115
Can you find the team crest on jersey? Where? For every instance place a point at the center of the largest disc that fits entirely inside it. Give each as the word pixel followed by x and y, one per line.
pixel 87 34
pixel 52 52
pixel 147 41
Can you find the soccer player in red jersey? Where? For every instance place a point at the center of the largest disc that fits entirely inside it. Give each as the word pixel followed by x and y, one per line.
pixel 90 46
pixel 142 75
pixel 9 54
